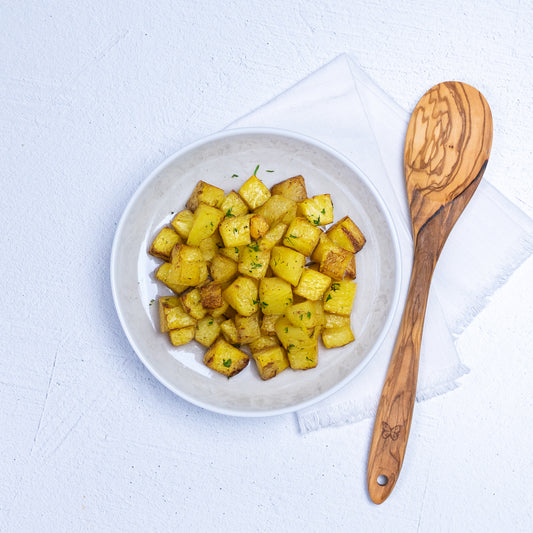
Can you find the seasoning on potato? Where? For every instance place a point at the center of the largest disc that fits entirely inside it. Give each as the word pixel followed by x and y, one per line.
pixel 255 274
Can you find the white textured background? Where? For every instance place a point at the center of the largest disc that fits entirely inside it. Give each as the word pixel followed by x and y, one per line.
pixel 92 98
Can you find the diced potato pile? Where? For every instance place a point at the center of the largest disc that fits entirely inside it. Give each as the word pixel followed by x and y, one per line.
pixel 255 273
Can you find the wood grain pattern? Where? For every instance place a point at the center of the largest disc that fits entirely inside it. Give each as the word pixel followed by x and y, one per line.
pixel 447 147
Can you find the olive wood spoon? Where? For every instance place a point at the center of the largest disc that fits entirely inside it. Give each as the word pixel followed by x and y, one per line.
pixel 447 147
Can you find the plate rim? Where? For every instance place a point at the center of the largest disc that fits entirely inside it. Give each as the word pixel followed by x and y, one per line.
pixel 231 132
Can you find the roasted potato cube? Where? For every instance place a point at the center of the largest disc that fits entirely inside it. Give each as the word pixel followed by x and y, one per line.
pixel 253 262
pixel 287 264
pixel 205 193
pixel 306 314
pixel 301 236
pixel 318 210
pixel 211 295
pixel 278 209
pixel 268 324
pixel 325 244
pixel 301 343
pixel 339 298
pixel 225 358
pixel 270 361
pixel 275 295
pixel 166 274
pixel 335 337
pixel 163 243
pixel 233 205
pixel 335 263
pixel 350 269
pixel 336 321
pixel 254 192
pixel 182 223
pixel 229 330
pixel 264 341
pixel 248 329
pixel 206 221
pixel 235 231
pixel 293 188
pixel 207 330
pixel 242 295
pixel 219 311
pixel 181 336
pixel 258 227
pixel 347 235
pixel 222 268
pixel 273 236
pixel 210 246
pixel 192 303
pixel 188 266
pixel 231 253
pixel 172 314
pixel 312 285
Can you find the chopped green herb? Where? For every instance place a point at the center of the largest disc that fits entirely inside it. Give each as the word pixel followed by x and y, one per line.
pixel 301 317
pixel 152 301
pixel 235 176
pixel 236 250
pixel 256 265
pixel 316 221
pixel 286 330
pixel 308 359
pixel 229 213
pixel 264 304
pixel 323 211
pixel 308 314
pixel 254 246
pixel 210 323
pixel 328 298
pixel 235 230
pixel 269 171
pixel 256 169
pixel 290 346
pixel 226 363
pixel 335 286
pixel 255 302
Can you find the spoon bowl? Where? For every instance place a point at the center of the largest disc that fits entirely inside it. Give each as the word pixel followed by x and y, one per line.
pixel 447 147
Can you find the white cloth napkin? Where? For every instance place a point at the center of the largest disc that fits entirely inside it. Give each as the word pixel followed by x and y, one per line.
pixel 342 107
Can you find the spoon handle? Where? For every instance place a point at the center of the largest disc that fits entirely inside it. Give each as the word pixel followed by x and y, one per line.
pixel 395 409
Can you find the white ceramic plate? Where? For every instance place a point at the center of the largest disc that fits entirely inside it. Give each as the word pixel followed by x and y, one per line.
pixel 215 160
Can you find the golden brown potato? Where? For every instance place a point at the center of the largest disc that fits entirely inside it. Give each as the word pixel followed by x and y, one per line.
pixel 254 192
pixel 242 295
pixel 211 295
pixel 339 298
pixel 335 337
pixel 288 264
pixel 258 227
pixel 301 236
pixel 293 188
pixel 206 193
pixel 347 235
pixel 225 358
pixel 207 330
pixel 318 210
pixel 163 243
pixel 270 361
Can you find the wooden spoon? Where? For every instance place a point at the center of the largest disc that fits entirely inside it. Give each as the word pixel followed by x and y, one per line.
pixel 446 151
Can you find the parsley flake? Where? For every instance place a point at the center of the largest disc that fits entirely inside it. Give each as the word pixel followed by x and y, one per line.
pixel 256 169
pixel 235 176
pixel 226 363
pixel 328 298
pixel 229 213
